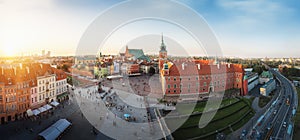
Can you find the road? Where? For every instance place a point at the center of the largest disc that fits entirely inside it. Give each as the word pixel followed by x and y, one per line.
pixel 284 117
pixel 274 121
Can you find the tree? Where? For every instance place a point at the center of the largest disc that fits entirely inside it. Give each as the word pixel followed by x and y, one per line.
pixel 258 69
pixel 65 68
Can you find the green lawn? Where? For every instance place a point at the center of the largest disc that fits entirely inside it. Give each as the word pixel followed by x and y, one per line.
pixel 222 120
pixel 184 133
pixel 243 121
pixel 193 120
pixel 185 108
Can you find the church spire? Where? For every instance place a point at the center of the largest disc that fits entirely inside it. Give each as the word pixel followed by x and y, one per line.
pixel 162 46
pixel 162 38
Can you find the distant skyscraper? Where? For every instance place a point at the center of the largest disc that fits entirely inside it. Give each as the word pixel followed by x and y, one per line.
pixel 43 52
pixel 49 53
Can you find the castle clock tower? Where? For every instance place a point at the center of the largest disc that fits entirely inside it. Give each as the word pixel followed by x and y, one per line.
pixel 162 53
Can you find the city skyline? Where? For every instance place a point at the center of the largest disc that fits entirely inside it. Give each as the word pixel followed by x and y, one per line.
pixel 243 28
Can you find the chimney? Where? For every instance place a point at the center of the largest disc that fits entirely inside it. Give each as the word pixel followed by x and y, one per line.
pixel 15 70
pixel 218 65
pixel 229 65
pixel 41 65
pixel 198 65
pixel 182 65
pixel 21 66
pixel 27 68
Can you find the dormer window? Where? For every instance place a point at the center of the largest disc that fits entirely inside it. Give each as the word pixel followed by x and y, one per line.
pixel 9 81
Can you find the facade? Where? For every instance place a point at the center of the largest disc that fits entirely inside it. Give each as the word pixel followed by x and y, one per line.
pixel 85 60
pixel 23 87
pixel 265 77
pixel 252 80
pixel 187 76
pixel 46 89
pixel 128 69
pixel 61 85
pixel 266 89
pixel 14 93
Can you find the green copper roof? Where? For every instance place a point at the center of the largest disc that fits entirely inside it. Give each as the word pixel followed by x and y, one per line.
pixel 144 57
pixel 136 52
pixel 266 74
pixel 139 54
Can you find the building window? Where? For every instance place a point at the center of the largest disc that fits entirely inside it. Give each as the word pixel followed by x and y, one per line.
pixel 169 78
pixel 174 91
pixel 174 78
pixel 204 84
pixel 197 78
pixel 169 86
pixel 175 85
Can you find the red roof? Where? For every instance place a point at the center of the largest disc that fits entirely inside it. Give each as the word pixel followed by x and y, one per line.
pixel 201 67
pixel 28 72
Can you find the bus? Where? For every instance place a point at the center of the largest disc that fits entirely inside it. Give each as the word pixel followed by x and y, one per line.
pixel 260 119
pixel 290 129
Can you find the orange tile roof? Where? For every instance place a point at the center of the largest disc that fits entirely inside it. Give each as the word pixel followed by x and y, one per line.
pixel 28 72
pixel 191 68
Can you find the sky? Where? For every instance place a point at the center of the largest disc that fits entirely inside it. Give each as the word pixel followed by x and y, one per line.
pixel 243 28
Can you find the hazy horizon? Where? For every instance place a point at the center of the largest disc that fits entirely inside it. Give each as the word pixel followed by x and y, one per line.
pixel 245 29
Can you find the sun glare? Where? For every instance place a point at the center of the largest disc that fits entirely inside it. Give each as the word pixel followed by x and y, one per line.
pixel 9 51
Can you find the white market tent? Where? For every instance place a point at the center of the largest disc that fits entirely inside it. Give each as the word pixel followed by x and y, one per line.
pixel 114 77
pixel 47 107
pixel 54 103
pixel 42 109
pixel 36 112
pixel 52 132
pixel 29 112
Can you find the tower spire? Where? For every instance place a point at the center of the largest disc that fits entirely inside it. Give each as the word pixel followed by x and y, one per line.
pixel 162 46
pixel 162 38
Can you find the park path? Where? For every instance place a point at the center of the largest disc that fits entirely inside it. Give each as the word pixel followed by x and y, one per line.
pixel 255 105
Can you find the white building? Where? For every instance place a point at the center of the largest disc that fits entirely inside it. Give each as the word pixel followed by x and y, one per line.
pixel 61 85
pixel 252 80
pixel 266 89
pixel 46 88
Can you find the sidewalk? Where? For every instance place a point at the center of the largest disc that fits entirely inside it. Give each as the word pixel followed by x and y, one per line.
pixel 112 123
